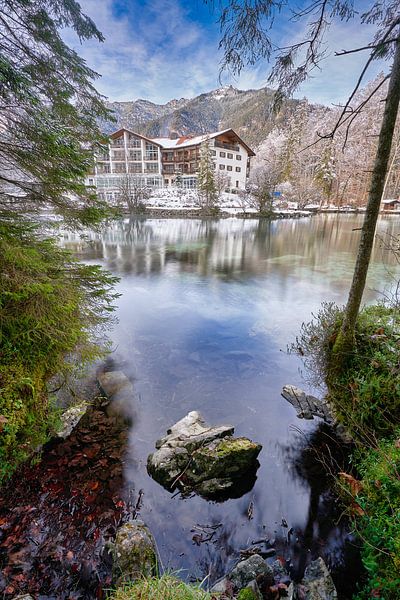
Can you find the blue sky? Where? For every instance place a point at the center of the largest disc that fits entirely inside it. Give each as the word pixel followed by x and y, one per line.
pixel 164 49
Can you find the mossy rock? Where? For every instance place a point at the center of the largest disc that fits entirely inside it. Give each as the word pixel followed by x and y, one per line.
pixel 134 553
pixel 209 460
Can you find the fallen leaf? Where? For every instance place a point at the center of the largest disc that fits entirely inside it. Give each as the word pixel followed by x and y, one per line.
pixel 354 484
pixel 355 509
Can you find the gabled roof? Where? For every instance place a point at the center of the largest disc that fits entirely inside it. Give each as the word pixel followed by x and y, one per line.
pixel 184 141
pixel 117 134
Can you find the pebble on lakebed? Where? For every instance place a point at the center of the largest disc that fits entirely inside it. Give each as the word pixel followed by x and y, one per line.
pixel 208 460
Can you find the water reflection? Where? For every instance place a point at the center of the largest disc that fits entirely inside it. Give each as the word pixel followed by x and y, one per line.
pixel 206 309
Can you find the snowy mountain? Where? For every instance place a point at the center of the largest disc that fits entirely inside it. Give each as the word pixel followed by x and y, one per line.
pixel 248 112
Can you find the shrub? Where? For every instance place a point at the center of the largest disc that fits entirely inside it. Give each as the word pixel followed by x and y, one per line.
pixel 51 312
pixel 366 394
pixel 379 527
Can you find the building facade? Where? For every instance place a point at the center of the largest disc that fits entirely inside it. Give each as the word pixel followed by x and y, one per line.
pixel 164 162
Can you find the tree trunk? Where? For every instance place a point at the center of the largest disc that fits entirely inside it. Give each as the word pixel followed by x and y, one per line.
pixel 345 341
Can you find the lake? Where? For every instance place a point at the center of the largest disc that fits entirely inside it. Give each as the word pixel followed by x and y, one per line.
pixel 206 311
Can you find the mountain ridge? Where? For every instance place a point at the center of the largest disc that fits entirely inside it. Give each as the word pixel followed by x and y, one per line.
pixel 249 112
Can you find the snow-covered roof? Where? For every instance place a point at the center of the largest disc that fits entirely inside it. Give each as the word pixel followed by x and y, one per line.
pixel 185 141
pixel 390 201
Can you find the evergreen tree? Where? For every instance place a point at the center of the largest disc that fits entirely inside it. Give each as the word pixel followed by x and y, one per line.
pixel 206 183
pixel 50 304
pixel 48 109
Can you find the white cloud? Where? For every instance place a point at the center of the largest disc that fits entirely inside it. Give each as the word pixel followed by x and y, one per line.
pixel 162 54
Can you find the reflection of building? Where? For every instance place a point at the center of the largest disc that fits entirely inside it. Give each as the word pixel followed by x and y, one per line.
pixel 161 162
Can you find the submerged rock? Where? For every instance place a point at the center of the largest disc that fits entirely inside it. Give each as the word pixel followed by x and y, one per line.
pixel 317 584
pixel 307 406
pixel 197 457
pixel 119 393
pixel 114 382
pixel 246 571
pixel 134 552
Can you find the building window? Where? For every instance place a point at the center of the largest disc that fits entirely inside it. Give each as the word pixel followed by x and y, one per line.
pixel 120 168
pixel 229 168
pixel 167 182
pixel 134 142
pixel 135 167
pixel 238 169
pixel 168 156
pixel 151 151
pixel 222 154
pixel 213 153
pixel 117 141
pixel 151 167
pixel 238 157
pixel 237 184
pixel 222 167
pixel 153 181
pixel 135 155
pixel 189 183
pixel 118 155
pixel 230 155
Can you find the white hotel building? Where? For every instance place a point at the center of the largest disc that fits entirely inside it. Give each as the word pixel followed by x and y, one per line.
pixel 163 162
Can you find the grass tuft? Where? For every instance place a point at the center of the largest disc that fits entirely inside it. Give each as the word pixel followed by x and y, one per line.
pixel 166 587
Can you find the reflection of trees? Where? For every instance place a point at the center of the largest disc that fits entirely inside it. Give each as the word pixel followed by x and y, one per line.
pixel 225 248
pixel 315 459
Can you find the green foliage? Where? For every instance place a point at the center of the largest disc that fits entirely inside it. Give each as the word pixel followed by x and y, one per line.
pixel 247 594
pixel 49 109
pixel 52 310
pixel 206 183
pixel 379 528
pixel 165 587
pixel 366 393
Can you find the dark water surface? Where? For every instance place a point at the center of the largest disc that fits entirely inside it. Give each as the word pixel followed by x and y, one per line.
pixel 205 314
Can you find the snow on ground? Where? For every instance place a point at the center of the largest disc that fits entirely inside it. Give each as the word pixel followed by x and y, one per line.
pixel 176 198
pixel 173 198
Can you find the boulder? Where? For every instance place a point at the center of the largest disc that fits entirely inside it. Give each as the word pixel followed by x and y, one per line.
pixel 318 583
pixel 70 419
pixel 248 570
pixel 209 460
pixel 134 552
pixel 307 406
pixel 222 586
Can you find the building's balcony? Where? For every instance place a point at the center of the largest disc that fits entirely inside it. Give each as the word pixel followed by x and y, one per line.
pixel 226 146
pixel 117 143
pixel 181 159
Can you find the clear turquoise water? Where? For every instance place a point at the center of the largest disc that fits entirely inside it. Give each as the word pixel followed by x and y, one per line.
pixel 206 311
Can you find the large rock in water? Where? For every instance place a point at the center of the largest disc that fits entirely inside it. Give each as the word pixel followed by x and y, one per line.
pixel 197 457
pixel 317 584
pixel 134 553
